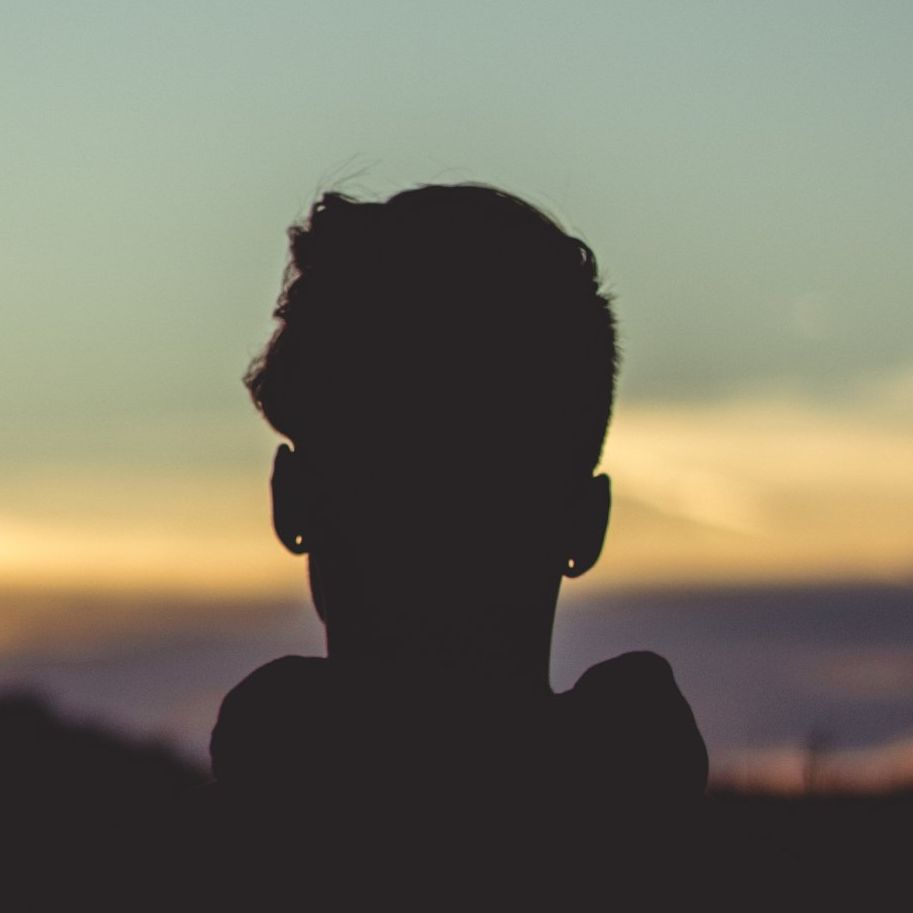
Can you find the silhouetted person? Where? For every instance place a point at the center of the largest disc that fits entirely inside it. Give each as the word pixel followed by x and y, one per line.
pixel 444 370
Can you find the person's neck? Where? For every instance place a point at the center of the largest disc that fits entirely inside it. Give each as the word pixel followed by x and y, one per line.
pixel 477 652
pixel 489 628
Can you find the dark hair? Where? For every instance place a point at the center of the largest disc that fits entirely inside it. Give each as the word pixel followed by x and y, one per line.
pixel 448 320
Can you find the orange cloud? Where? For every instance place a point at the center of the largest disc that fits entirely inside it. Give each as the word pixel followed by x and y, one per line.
pixel 755 491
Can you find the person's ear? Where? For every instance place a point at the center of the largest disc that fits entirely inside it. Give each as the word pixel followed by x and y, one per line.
pixel 294 513
pixel 588 521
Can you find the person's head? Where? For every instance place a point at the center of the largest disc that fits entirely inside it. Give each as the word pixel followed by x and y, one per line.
pixel 444 367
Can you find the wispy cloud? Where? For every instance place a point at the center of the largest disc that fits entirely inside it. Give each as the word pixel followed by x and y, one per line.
pixel 760 489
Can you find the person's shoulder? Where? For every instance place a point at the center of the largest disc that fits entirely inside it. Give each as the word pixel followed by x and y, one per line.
pixel 258 727
pixel 641 667
pixel 278 673
pixel 637 725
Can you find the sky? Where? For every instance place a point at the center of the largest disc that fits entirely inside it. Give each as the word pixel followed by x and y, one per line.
pixel 743 171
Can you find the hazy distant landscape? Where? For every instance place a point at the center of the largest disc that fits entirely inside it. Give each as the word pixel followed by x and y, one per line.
pixel 778 678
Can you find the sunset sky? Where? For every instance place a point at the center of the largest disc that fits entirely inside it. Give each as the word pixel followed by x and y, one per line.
pixel 743 171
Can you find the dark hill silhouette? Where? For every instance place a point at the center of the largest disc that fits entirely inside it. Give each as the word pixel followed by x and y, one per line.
pixel 80 807
pixel 807 852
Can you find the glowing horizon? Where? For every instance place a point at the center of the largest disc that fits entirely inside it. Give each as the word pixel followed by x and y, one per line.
pixel 741 492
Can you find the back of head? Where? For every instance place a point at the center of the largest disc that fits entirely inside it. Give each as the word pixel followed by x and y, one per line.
pixel 451 331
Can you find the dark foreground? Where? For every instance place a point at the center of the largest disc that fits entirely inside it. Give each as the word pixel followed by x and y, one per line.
pixel 88 817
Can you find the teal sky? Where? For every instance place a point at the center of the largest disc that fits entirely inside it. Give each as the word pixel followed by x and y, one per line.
pixel 744 171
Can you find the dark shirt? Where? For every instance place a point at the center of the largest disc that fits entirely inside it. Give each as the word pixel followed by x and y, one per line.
pixel 351 783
